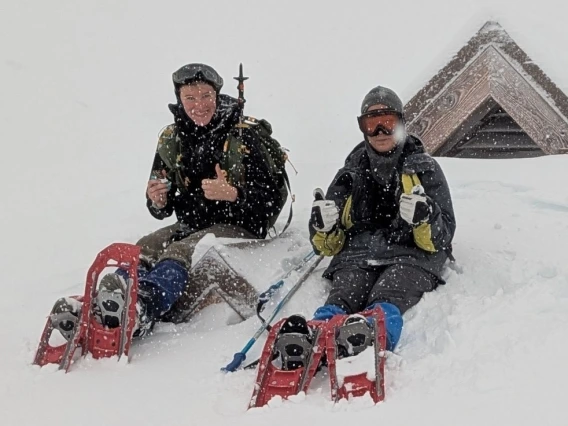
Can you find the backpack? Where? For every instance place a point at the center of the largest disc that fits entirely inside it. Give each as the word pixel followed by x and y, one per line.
pixel 169 147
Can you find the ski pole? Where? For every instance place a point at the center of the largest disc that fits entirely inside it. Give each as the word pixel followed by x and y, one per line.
pixel 265 296
pixel 240 357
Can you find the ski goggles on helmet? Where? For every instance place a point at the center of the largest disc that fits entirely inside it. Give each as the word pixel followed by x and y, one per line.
pixel 197 72
pixel 382 120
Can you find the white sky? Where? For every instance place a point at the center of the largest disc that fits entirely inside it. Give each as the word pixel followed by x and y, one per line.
pixel 84 88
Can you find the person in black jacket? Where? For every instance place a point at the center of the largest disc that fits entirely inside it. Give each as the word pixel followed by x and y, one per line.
pixel 188 179
pixel 197 189
pixel 387 219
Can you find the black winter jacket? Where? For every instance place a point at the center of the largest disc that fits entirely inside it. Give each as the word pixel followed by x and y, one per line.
pixel 379 237
pixel 201 149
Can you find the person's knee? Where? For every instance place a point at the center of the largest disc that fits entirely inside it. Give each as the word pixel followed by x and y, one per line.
pixel 163 285
pixel 396 297
pixel 179 251
pixel 409 277
pixel 145 241
pixel 222 230
pixel 217 228
pixel 350 289
pixel 402 286
pixel 341 299
pixel 152 246
pixel 159 239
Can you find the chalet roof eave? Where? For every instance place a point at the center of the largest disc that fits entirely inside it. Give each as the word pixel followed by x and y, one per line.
pixel 460 103
pixel 514 66
pixel 491 34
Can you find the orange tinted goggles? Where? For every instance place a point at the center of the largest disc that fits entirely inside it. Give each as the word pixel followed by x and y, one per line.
pixel 383 120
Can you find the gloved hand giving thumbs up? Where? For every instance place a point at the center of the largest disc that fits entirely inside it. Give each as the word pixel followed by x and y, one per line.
pixel 325 213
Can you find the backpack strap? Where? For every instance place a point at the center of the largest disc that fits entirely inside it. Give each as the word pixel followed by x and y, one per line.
pixel 292 200
pixel 423 232
pixel 264 130
pixel 234 152
pixel 169 147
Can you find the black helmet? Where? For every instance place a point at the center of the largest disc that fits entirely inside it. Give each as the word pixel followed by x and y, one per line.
pixel 197 72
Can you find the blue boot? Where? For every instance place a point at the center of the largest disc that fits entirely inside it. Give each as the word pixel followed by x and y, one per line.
pixel 393 319
pixel 158 289
pixel 162 286
pixel 393 322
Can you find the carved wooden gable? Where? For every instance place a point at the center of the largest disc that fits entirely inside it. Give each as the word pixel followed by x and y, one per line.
pixel 491 100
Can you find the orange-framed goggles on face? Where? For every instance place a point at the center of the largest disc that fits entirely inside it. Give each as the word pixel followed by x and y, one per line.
pixel 379 121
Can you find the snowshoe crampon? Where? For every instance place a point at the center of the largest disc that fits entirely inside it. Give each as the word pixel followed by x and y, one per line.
pixel 85 331
pixel 354 349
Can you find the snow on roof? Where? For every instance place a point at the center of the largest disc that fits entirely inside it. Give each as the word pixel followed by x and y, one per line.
pixel 490 34
pixel 491 67
pixel 493 27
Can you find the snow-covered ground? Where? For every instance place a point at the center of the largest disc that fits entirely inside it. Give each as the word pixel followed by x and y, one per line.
pixel 84 91
pixel 487 348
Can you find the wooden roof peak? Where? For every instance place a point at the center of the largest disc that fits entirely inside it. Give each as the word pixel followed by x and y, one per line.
pixel 490 68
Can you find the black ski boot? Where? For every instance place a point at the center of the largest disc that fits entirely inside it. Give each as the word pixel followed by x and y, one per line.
pixel 65 316
pixel 354 336
pixel 109 305
pixel 294 343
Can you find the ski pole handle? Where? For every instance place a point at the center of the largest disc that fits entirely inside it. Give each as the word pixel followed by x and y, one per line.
pixel 240 357
pixel 265 296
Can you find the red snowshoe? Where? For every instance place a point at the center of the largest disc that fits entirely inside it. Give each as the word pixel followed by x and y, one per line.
pixel 300 346
pixel 355 353
pixel 80 327
pixel 352 347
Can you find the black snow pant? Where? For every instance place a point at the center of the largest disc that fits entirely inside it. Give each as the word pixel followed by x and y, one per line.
pixel 354 289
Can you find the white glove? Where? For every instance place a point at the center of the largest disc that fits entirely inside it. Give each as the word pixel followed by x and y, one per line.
pixel 325 215
pixel 415 208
